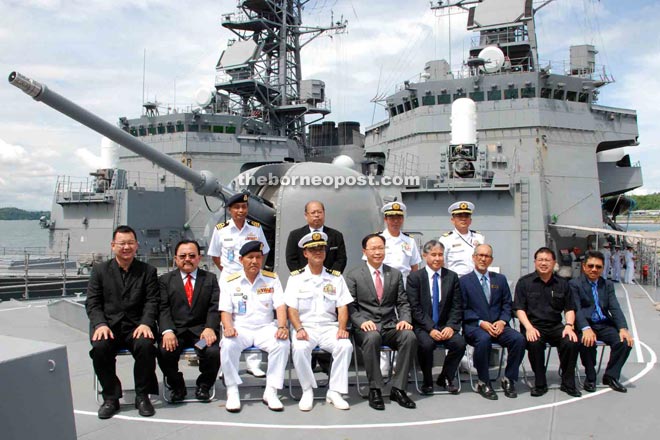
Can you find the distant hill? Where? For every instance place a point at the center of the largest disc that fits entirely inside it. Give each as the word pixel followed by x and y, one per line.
pixel 647 202
pixel 19 214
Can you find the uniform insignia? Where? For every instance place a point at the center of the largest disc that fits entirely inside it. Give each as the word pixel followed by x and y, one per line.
pixel 329 289
pixel 220 226
pixel 265 290
pixel 447 234
pixel 316 236
pixel 463 205
pixel 252 237
pixel 234 276
pixel 253 223
pixel 333 272
pixel 268 274
pixel 396 206
pixel 297 271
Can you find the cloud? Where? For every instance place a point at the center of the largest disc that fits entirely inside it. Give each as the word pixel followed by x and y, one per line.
pixel 91 160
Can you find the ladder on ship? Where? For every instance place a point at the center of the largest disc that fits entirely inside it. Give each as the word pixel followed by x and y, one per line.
pixel 117 217
pixel 524 226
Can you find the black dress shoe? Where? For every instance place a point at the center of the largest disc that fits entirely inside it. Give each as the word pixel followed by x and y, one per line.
pixel 571 391
pixel 177 395
pixel 400 397
pixel 509 388
pixel 202 393
pixel 144 406
pixel 538 391
pixel 614 384
pixel 109 408
pixel 376 399
pixel 486 391
pixel 447 384
pixel 589 386
pixel 427 390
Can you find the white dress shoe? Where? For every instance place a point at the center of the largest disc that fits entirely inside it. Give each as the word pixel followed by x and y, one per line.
pixel 334 398
pixel 256 372
pixel 271 399
pixel 307 401
pixel 233 399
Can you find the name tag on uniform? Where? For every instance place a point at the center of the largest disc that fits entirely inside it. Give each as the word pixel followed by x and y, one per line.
pixel 263 290
pixel 456 245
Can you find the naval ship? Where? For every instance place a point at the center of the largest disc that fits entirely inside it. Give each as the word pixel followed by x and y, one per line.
pixel 505 149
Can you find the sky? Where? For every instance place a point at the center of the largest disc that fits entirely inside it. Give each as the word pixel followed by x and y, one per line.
pixel 93 52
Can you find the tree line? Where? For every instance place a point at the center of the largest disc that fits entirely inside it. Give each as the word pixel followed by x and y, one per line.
pixel 20 214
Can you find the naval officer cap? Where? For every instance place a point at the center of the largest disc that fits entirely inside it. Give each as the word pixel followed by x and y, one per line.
pixel 461 207
pixel 393 208
pixel 238 198
pixel 313 239
pixel 251 246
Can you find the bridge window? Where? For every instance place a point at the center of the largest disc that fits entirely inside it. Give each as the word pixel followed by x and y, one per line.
pixel 494 95
pixel 230 130
pixel 428 100
pixel 558 94
pixel 445 98
pixel 218 129
pixel 511 94
pixel 528 92
pixel 477 96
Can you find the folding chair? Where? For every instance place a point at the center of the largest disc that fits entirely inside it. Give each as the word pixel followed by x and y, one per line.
pixel 383 349
pixel 290 368
pixel 599 345
pixel 494 346
pixel 416 378
pixel 186 353
pixel 525 378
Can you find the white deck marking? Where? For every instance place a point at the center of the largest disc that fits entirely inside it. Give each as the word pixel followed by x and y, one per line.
pixel 633 327
pixel 647 294
pixel 24 307
pixel 645 370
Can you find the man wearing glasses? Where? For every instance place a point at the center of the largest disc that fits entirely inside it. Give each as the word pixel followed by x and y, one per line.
pixel 486 316
pixel 122 306
pixel 540 299
pixel 380 314
pixel 189 318
pixel 599 317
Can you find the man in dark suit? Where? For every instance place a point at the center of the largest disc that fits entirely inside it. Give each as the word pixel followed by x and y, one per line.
pixel 486 315
pixel 122 306
pixel 435 301
pixel 335 258
pixel 378 298
pixel 189 315
pixel 599 317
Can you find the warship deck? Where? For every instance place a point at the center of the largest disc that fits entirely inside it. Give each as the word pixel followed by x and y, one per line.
pixel 602 415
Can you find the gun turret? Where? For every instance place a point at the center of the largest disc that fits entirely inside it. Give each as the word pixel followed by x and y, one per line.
pixel 204 182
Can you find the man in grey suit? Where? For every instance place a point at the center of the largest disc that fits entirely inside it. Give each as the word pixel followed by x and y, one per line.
pixel 379 297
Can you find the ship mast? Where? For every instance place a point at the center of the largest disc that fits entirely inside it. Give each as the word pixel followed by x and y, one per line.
pixel 261 69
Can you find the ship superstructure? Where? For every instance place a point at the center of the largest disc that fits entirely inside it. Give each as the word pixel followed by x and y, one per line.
pixel 532 164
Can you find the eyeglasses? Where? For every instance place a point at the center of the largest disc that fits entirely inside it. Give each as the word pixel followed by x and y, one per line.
pixel 375 249
pixel 596 266
pixel 486 256
pixel 183 256
pixel 125 243
pixel 544 260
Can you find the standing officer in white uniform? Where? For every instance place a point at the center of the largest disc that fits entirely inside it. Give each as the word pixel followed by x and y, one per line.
pixel 608 260
pixel 247 301
pixel 460 243
pixel 629 258
pixel 401 251
pixel 317 299
pixel 228 237
pixel 616 264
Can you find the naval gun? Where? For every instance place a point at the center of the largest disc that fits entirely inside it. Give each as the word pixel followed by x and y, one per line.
pixel 278 191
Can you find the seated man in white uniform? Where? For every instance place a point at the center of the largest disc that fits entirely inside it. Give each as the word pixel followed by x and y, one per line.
pixel 247 301
pixel 316 298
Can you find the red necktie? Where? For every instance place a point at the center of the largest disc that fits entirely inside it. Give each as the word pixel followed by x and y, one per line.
pixel 189 289
pixel 379 286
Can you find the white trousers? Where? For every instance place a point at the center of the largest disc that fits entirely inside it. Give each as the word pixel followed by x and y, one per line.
pixel 262 338
pixel 326 339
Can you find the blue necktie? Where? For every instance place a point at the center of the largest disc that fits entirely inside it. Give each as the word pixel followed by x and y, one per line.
pixel 486 289
pixel 436 299
pixel 597 314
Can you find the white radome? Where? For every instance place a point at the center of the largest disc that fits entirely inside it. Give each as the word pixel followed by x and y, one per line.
pixel 344 161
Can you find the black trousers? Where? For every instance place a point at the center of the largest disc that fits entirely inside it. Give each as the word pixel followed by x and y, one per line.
pixel 104 358
pixel 426 345
pixel 403 341
pixel 619 352
pixel 209 362
pixel 568 352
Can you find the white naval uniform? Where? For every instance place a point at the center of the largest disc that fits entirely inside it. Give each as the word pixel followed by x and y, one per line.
pixel 616 266
pixel 254 324
pixel 459 249
pixel 607 263
pixel 401 253
pixel 630 267
pixel 227 241
pixel 316 297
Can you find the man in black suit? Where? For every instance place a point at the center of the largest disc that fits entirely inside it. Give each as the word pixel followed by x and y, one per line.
pixel 380 314
pixel 189 315
pixel 486 316
pixel 436 303
pixel 335 258
pixel 599 317
pixel 122 306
